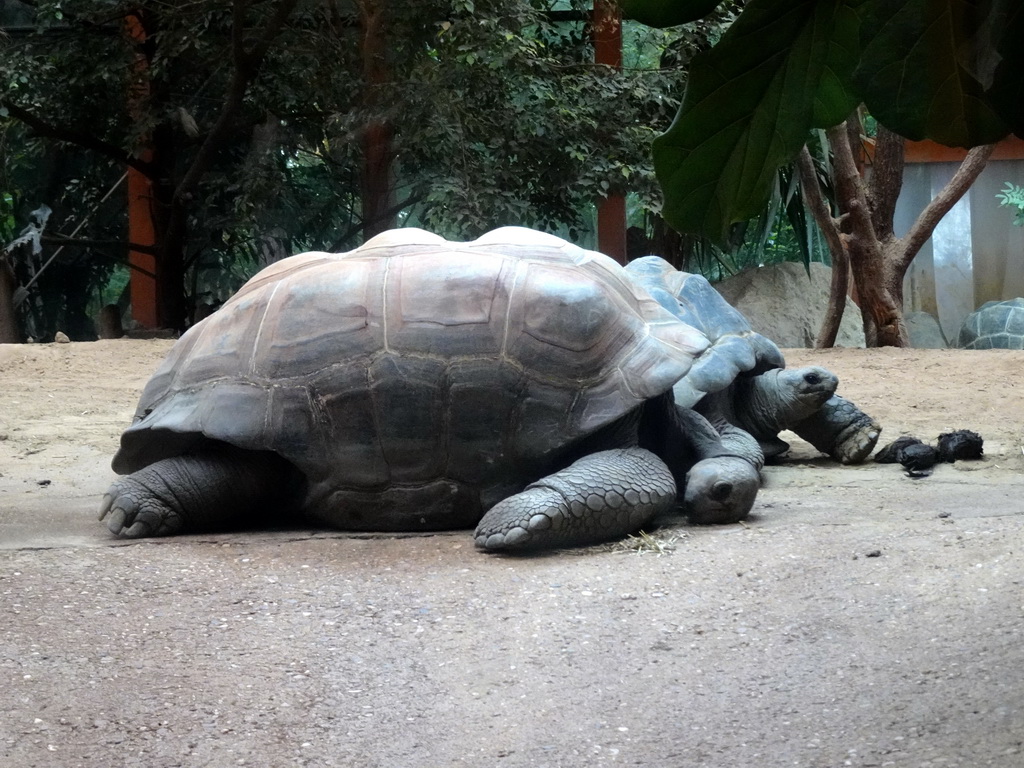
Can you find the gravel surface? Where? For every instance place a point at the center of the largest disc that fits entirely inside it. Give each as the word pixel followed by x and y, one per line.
pixel 859 618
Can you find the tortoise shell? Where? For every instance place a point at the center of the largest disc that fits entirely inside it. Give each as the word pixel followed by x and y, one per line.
pixel 413 381
pixel 994 325
pixel 735 349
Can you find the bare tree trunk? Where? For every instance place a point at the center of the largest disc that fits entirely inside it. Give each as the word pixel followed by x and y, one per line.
pixel 837 249
pixel 9 332
pixel 175 194
pixel 883 320
pixel 863 233
pixel 246 58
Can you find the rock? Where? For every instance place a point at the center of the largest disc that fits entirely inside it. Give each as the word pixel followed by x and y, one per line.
pixel 925 331
pixel 61 338
pixel 785 305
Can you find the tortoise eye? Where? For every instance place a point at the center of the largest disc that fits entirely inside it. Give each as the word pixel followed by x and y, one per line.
pixel 812 378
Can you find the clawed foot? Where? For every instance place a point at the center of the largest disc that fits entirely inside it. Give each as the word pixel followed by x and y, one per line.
pixel 856 444
pixel 841 430
pixel 600 497
pixel 133 512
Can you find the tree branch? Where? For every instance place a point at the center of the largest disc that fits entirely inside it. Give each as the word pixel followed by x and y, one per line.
pixel 941 204
pixel 78 138
pixel 388 213
pixel 886 180
pixel 270 31
pixel 837 248
pixel 811 192
pixel 246 64
pixel 76 242
pixel 849 185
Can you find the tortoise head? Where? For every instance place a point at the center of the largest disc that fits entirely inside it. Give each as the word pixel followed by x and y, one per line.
pixel 720 490
pixel 804 390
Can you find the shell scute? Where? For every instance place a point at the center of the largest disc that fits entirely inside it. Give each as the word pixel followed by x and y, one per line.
pixel 344 399
pixel 994 325
pixel 409 398
pixel 486 398
pixel 326 314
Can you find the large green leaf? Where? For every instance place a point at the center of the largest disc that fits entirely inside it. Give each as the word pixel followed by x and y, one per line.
pixel 923 69
pixel 782 68
pixel 667 13
pixel 1006 92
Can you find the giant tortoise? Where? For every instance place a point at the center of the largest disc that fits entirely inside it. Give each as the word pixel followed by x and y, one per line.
pixel 994 325
pixel 418 384
pixel 741 379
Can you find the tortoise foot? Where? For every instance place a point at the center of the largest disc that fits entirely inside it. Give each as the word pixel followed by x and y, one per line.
pixel 133 511
pixel 720 490
pixel 856 443
pixel 204 491
pixel 840 429
pixel 602 496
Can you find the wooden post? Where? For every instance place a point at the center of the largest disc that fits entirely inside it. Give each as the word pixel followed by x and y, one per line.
pixel 143 265
pixel 141 228
pixel 378 145
pixel 606 31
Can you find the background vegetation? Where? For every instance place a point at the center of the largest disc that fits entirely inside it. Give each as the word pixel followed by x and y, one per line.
pixel 252 120
pixel 497 115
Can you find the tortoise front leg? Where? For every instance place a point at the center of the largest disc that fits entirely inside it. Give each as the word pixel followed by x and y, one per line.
pixel 602 496
pixel 723 482
pixel 840 429
pixel 196 492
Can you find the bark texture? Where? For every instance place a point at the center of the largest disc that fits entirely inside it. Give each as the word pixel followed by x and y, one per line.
pixel 861 238
pixel 9 332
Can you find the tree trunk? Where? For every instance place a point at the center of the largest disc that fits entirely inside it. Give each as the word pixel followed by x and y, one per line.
pixel 378 150
pixel 829 227
pixel 606 34
pixel 170 220
pixel 863 232
pixel 174 193
pixel 9 331
pixel 879 290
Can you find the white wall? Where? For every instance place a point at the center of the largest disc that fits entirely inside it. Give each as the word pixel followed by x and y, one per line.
pixel 975 255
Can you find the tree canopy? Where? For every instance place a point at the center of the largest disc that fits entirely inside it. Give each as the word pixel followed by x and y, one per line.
pixel 948 70
pixel 249 119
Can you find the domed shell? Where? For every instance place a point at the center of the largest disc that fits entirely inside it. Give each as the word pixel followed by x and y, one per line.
pixel 735 349
pixel 994 325
pixel 414 362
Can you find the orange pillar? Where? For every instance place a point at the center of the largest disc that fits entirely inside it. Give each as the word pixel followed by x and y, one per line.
pixel 611 211
pixel 143 265
pixel 141 230
pixel 378 144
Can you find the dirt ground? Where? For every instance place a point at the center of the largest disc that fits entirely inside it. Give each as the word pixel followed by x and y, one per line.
pixel 860 618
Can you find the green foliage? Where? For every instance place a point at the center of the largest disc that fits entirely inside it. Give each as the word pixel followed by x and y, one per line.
pixel 529 131
pixel 7 221
pixel 746 112
pixel 1012 196
pixel 924 65
pixel 498 113
pixel 941 69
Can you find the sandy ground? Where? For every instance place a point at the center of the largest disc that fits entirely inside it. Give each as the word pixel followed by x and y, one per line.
pixel 860 618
